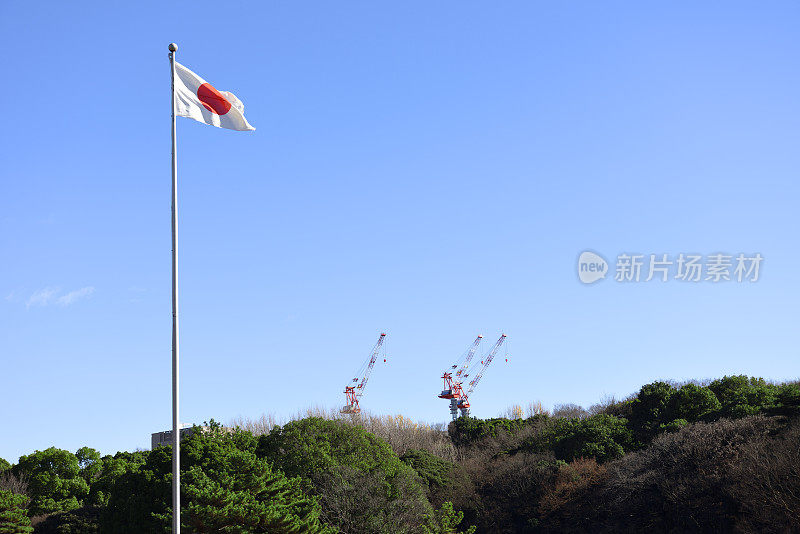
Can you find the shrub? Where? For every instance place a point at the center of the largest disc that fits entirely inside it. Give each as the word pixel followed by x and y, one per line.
pixel 364 502
pixel 679 483
pixel 766 483
pixel 83 520
pixel 685 472
pixel 572 479
pixel 674 425
pixel 509 487
pixel 445 482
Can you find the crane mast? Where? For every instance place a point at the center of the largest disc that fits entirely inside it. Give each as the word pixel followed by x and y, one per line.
pixel 353 393
pixel 463 403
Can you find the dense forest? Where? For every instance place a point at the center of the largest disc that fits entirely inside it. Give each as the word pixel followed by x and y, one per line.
pixel 721 456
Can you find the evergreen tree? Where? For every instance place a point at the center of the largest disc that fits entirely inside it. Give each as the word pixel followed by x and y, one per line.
pixel 13 514
pixel 445 521
pixel 223 489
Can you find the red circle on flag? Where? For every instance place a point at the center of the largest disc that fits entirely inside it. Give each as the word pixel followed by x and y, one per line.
pixel 213 100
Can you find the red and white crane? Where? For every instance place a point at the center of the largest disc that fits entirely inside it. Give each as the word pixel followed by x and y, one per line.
pixel 354 393
pixel 452 389
pixel 453 385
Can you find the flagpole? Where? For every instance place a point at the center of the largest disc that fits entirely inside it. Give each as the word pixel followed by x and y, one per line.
pixel 176 437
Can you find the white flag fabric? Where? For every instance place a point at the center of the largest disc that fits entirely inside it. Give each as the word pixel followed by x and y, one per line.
pixel 199 100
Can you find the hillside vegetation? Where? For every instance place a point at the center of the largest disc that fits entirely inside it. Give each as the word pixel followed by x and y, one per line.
pixel 717 457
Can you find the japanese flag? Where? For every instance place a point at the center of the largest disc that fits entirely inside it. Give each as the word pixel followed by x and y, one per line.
pixel 199 100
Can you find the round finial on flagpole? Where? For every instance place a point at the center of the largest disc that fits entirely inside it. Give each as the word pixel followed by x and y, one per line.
pixel 173 47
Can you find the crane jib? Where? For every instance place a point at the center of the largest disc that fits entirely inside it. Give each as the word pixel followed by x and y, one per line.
pixel 354 393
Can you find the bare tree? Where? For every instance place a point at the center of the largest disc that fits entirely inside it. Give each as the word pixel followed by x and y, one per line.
pixel 400 432
pixel 13 483
pixel 256 427
pixel 536 408
pixel 569 411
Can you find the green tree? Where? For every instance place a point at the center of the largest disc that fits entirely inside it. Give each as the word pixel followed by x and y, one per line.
pixel 693 402
pixel 466 430
pixel 362 484
pixel 650 409
pixel 108 470
pixel 445 520
pixel 4 466
pixel 602 437
pixel 13 514
pixel 434 471
pixel 54 481
pixel 312 445
pixel 788 399
pixel 223 489
pixel 741 395
pixel 89 463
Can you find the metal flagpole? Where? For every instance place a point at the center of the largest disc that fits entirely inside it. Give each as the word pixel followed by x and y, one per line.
pixel 176 437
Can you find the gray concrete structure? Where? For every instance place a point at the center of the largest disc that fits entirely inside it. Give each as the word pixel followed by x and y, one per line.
pixel 161 439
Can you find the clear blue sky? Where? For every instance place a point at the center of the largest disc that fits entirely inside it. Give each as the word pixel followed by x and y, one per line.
pixel 428 169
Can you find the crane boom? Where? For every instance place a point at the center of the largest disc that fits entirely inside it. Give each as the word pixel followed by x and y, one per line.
pixel 372 359
pixel 463 402
pixel 474 382
pixel 470 353
pixel 353 393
